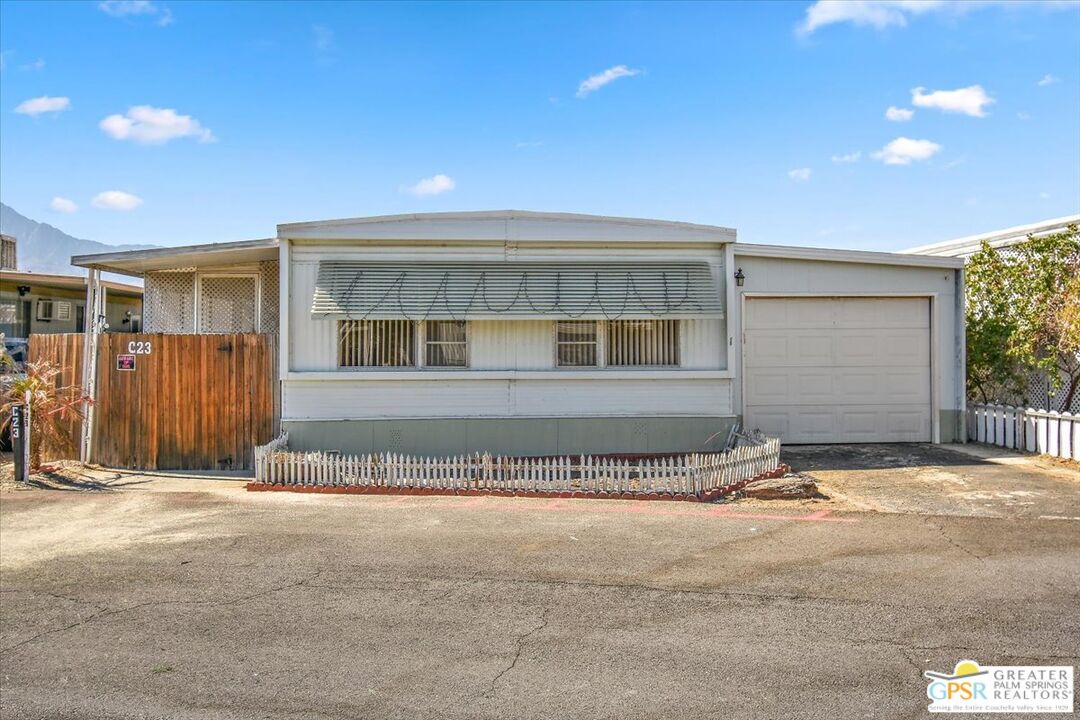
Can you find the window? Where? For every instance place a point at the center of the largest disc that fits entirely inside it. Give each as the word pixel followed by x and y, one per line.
pixel 45 310
pixel 376 343
pixel 576 343
pixel 642 342
pixel 445 343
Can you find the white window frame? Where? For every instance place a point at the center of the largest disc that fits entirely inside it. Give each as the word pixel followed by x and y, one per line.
pixel 600 338
pixel 219 275
pixel 602 351
pixel 48 302
pixel 417 359
pixel 422 343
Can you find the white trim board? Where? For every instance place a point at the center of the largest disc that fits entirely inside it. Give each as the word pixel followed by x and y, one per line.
pixel 851 256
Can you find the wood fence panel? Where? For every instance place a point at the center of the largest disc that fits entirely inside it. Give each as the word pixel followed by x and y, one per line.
pixel 65 351
pixel 193 402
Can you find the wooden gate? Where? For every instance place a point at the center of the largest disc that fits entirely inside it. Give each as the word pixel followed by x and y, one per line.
pixel 182 402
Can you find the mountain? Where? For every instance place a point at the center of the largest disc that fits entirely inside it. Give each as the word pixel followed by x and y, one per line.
pixel 45 249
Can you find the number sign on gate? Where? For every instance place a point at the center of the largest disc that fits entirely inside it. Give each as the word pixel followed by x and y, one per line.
pixel 139 347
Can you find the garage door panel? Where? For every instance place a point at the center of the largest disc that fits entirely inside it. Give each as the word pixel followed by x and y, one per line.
pixel 802 347
pixel 840 370
pixel 770 347
pixel 814 424
pixel 884 313
pixel 774 424
pixel 849 386
pixel 771 388
pixel 905 386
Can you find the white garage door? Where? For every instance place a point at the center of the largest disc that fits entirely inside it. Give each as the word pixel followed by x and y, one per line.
pixel 838 370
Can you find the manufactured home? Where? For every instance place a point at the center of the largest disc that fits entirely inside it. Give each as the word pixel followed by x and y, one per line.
pixel 545 333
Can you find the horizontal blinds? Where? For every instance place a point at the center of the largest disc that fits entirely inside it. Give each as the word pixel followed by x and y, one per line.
pixel 469 291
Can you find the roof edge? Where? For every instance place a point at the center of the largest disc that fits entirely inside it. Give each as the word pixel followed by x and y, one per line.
pixel 994 237
pixel 284 228
pixel 852 256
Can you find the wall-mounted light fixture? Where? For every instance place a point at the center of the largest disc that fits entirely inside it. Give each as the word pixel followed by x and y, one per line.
pixel 24 290
pixel 740 277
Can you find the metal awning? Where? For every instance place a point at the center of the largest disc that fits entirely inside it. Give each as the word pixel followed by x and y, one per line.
pixel 523 290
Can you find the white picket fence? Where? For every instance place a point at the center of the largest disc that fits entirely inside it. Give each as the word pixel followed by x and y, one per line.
pixel 1027 429
pixel 689 474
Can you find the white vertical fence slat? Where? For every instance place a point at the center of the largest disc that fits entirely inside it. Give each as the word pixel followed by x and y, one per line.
pixel 670 475
pixel 1027 429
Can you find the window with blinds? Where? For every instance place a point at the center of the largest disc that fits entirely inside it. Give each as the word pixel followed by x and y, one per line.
pixel 445 343
pixel 576 343
pixel 642 342
pixel 376 343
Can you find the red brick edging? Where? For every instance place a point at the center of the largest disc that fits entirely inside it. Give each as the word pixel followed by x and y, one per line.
pixel 706 496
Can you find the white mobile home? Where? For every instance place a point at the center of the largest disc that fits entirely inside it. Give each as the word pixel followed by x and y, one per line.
pixel 542 333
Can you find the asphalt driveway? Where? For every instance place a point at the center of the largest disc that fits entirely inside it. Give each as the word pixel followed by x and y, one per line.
pixel 190 598
pixel 967 480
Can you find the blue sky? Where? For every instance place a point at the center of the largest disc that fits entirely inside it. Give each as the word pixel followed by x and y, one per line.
pixel 176 123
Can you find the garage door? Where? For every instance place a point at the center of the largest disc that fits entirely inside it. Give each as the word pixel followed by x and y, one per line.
pixel 838 370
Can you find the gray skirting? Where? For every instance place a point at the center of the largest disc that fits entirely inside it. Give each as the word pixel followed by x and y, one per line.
pixel 511 436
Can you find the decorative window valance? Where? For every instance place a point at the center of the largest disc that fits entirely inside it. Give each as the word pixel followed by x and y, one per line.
pixel 508 290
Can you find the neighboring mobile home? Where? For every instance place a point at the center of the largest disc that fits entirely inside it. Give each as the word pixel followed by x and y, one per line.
pixel 1039 393
pixel 545 333
pixel 39 303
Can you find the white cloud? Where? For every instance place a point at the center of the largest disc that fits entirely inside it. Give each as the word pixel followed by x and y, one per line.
pixel 1048 79
pixel 3 58
pixel 800 174
pixel 969 101
pixel 1044 196
pixel 595 82
pixel 899 114
pixel 881 14
pixel 851 157
pixel 902 151
pixel 127 8
pixel 38 64
pixel 43 104
pixel 62 204
pixel 1023 115
pixel 434 185
pixel 876 13
pixel 529 143
pixel 153 126
pixel 116 200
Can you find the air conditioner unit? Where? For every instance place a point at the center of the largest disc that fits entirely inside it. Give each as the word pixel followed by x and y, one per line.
pixel 49 310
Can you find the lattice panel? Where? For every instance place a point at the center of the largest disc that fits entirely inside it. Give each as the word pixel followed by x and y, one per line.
pixel 1040 396
pixel 1036 395
pixel 268 321
pixel 227 304
pixel 169 302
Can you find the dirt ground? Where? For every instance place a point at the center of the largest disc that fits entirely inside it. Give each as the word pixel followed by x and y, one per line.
pixel 968 480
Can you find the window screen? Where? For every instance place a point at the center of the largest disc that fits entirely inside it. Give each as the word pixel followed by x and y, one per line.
pixel 445 343
pixel 575 343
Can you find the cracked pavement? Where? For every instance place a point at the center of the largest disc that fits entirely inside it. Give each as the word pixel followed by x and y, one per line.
pixel 186 598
